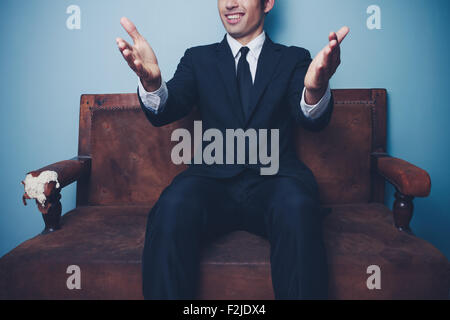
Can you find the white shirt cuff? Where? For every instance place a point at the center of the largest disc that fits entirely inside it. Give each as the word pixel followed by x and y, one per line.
pixel 316 110
pixel 154 101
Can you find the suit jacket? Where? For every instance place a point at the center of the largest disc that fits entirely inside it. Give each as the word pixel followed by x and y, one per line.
pixel 206 78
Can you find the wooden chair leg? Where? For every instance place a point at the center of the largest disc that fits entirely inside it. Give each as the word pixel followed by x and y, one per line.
pixel 403 211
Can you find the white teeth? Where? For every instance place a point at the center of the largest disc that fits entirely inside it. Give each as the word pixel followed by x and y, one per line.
pixel 235 16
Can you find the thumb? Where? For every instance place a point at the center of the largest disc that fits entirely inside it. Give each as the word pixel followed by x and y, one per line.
pixel 130 28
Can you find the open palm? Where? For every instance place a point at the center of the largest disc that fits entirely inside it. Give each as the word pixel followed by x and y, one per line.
pixel 324 65
pixel 140 56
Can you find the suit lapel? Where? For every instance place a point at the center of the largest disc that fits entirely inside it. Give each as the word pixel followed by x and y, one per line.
pixel 267 63
pixel 227 70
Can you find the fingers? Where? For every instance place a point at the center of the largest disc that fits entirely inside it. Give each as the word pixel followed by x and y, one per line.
pixel 328 50
pixel 336 38
pixel 329 58
pixel 135 64
pixel 342 33
pixel 331 36
pixel 335 48
pixel 127 54
pixel 130 28
pixel 333 41
pixel 122 44
pixel 125 49
pixel 330 53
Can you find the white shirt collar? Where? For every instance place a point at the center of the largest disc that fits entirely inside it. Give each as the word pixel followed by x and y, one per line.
pixel 255 45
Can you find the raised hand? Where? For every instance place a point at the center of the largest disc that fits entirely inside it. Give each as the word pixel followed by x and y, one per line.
pixel 140 57
pixel 323 67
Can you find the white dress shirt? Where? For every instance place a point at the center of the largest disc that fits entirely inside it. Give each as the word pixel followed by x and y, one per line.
pixel 156 100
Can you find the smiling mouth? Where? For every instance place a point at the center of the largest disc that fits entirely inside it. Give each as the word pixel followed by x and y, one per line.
pixel 234 18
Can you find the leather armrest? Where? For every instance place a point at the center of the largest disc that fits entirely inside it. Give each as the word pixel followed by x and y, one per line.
pixel 67 172
pixel 407 178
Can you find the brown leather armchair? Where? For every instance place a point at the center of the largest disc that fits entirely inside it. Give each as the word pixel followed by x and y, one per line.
pixel 124 164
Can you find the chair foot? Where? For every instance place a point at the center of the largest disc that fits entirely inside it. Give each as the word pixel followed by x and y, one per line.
pixel 403 211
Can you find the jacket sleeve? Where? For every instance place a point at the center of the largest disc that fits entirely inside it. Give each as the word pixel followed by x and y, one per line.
pixel 295 90
pixel 182 94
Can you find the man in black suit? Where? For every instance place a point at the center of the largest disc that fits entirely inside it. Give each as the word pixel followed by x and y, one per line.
pixel 244 82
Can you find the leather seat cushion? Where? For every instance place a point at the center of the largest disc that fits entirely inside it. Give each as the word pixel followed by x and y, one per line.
pixel 106 243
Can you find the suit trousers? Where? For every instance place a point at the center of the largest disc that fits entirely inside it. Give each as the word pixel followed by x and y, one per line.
pixel 193 210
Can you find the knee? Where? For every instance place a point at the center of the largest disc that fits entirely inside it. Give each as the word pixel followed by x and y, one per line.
pixel 293 209
pixel 294 213
pixel 177 214
pixel 177 202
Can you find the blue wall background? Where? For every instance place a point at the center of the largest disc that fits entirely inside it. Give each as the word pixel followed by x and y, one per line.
pixel 45 68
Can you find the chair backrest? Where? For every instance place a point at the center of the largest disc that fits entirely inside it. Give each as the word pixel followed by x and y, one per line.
pixel 131 159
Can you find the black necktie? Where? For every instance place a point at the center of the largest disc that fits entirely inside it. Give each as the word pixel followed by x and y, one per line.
pixel 244 79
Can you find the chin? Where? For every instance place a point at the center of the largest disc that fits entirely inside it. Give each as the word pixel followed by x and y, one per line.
pixel 235 32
